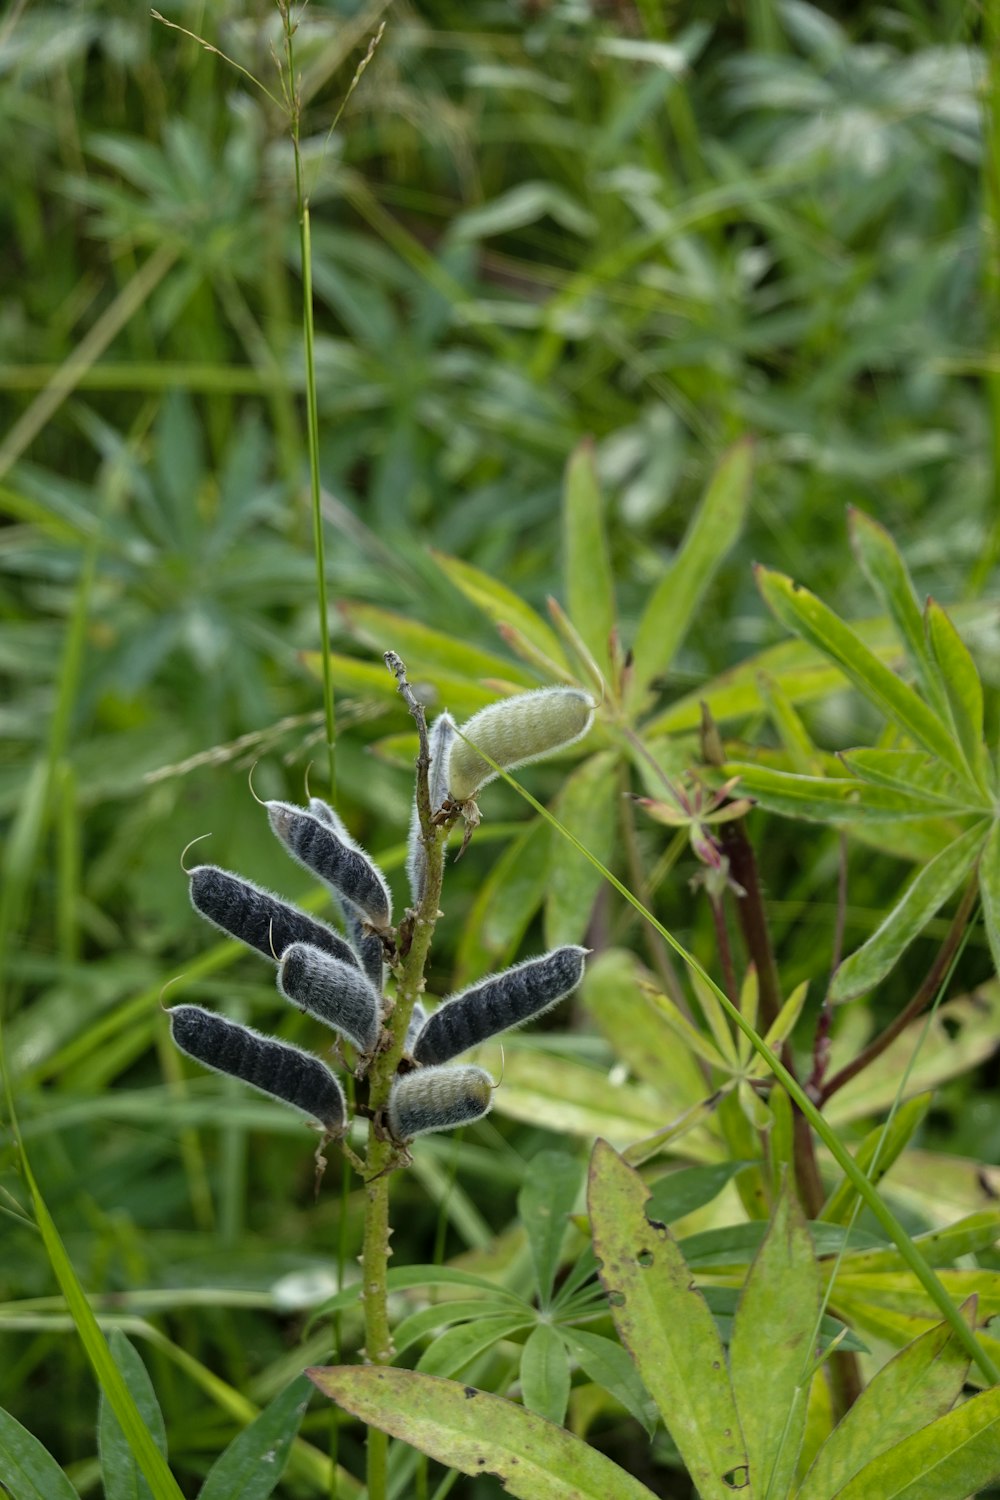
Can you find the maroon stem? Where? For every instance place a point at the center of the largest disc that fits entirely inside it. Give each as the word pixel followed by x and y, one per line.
pixel 924 995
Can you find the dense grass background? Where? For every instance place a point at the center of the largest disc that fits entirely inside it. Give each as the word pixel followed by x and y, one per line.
pixel 534 222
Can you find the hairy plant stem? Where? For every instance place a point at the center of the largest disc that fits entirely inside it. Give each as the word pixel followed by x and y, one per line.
pixel 382 1155
pixel 923 997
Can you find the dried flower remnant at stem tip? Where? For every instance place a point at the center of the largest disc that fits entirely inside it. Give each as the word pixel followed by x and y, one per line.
pixel 336 993
pixel 514 732
pixel 275 1068
pixel 438 1099
pixel 498 1003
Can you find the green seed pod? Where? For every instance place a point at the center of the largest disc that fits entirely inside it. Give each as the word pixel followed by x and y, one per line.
pixel 336 993
pixel 440 738
pixel 438 1099
pixel 515 731
pixel 255 917
pixel 499 1002
pixel 330 853
pixel 296 1078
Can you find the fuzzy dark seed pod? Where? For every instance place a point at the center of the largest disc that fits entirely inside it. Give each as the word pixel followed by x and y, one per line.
pixel 330 853
pixel 418 1018
pixel 499 1002
pixel 368 946
pixel 439 741
pixel 514 731
pixel 336 993
pixel 438 1099
pixel 296 1078
pixel 257 918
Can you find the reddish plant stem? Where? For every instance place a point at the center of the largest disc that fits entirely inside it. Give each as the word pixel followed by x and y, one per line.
pixel 923 997
pixel 725 949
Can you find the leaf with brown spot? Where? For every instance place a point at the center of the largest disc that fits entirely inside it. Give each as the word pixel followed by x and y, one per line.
pixel 477 1433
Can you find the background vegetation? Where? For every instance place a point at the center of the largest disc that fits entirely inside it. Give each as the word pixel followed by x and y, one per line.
pixel 659 228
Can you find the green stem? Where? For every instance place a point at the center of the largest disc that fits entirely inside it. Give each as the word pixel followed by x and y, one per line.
pixel 383 1154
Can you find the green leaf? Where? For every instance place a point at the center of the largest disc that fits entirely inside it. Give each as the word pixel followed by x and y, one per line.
pixel 545 1374
pixel 479 1434
pixel 590 590
pixel 608 1365
pixel 428 1319
pixel 989 890
pixel 449 1354
pixel 123 1479
pixel 770 1352
pixel 584 1104
pixel 922 899
pixel 890 578
pixel 909 771
pixel 664 1322
pixel 949 1459
pixel 681 1192
pixel 588 806
pixel 501 605
pixel 825 799
pixel 368 680
pixel 876 1154
pixel 792 733
pixel 255 1460
pixel 737 1244
pixel 714 528
pixel 150 1459
pixel 969 1235
pixel 616 990
pixel 917 1385
pixel 809 617
pixel 425 649
pixel 505 903
pixel 964 689
pixel 552 1183
pixel 27 1469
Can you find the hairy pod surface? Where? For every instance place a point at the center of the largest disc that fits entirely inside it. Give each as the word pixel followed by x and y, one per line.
pixel 440 737
pixel 259 919
pixel 438 1099
pixel 418 1018
pixel 296 1078
pixel 515 731
pixel 336 993
pixel 499 1002
pixel 368 946
pixel 330 854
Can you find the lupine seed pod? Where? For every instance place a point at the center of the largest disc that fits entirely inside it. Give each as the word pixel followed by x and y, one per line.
pixel 418 1017
pixel 330 853
pixel 515 731
pixel 438 1099
pixel 368 946
pixel 336 993
pixel 257 918
pixel 296 1078
pixel 499 1002
pixel 440 737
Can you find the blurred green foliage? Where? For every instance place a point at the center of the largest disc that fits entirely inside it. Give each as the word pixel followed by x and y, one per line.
pixel 535 223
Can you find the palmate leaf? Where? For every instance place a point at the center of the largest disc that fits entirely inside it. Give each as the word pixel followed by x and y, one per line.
pixel 989 889
pixel 770 1351
pixel 964 690
pixel 590 590
pixel 810 618
pixel 478 1434
pixel 827 799
pixel 545 1376
pixel 714 529
pixel 922 899
pixel 501 605
pixel 665 1324
pixel 548 1196
pixel 889 576
pixel 917 1385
